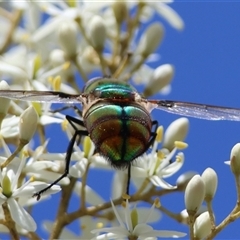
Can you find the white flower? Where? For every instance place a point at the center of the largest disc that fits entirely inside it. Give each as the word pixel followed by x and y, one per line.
pixel 131 227
pixel 31 60
pixel 86 224
pixel 158 164
pixel 10 127
pixel 64 13
pixel 45 166
pixel 5 230
pixel 11 194
pixel 160 8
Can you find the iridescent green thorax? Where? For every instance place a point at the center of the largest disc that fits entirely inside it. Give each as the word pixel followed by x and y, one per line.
pixel 109 88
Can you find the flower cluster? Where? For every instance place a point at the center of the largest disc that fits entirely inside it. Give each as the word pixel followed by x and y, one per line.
pixel 59 46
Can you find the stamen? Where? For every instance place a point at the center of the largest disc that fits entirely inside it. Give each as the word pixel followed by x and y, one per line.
pixel 32 179
pixel 98 225
pixel 64 124
pixel 159 136
pixel 66 65
pixel 180 145
pixel 56 83
pixel 160 155
pixel 179 158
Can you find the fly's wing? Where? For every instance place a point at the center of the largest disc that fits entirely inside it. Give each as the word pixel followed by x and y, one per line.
pixel 202 111
pixel 40 96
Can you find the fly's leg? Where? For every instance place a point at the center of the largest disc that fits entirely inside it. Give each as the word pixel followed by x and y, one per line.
pixel 128 179
pixel 153 134
pixel 77 132
pixel 76 109
pixel 79 122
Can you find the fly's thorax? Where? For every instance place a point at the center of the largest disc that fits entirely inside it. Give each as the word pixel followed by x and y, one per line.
pixel 120 130
pixel 109 88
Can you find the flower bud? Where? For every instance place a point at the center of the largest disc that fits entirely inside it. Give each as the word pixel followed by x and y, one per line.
pixel 28 124
pixel 185 217
pixel 97 32
pixel 194 195
pixel 6 186
pixel 89 60
pixel 5 103
pixel 120 11
pixel 184 179
pixel 210 179
pixel 202 226
pixel 176 131
pixel 67 35
pixel 161 77
pixel 37 62
pixel 56 57
pixel 150 39
pixel 235 159
pixel 170 15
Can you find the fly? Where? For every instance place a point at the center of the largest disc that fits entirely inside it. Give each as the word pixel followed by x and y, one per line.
pixel 117 119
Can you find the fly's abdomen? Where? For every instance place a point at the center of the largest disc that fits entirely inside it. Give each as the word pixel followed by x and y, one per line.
pixel 121 133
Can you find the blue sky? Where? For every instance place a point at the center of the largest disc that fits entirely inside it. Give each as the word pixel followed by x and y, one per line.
pixel 206 56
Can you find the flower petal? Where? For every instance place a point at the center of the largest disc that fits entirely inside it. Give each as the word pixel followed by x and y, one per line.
pixel 163 234
pixel 21 216
pixel 106 236
pixel 34 187
pixel 170 15
pixel 159 182
pixel 119 231
pixel 138 172
pixel 78 169
pixel 91 196
pixel 141 229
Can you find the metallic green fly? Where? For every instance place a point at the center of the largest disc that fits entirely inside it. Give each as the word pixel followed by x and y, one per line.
pixel 117 119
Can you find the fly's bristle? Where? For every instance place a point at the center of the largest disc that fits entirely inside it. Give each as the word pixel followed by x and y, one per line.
pixel 119 165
